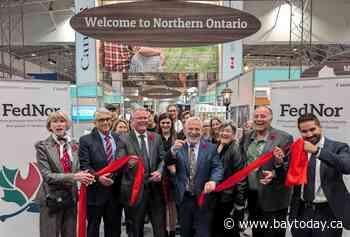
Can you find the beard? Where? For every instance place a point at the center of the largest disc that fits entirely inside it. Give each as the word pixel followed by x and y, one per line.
pixel 314 139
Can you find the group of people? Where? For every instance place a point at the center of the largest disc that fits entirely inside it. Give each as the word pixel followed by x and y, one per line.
pixel 181 160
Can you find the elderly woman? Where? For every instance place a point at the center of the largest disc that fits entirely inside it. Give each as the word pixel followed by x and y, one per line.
pixel 121 127
pixel 231 202
pixel 59 166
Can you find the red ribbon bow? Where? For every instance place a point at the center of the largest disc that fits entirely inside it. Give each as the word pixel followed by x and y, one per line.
pixel 114 166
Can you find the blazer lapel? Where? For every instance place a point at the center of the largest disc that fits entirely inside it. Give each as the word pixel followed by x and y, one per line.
pixel 75 160
pixel 53 153
pixel 202 153
pixel 323 166
pixel 151 148
pixel 135 142
pixel 99 144
pixel 184 152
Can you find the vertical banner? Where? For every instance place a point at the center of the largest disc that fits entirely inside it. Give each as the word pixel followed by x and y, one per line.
pixel 24 106
pixel 85 51
pixel 232 52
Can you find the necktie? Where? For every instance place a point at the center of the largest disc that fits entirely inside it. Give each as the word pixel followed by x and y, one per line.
pixel 65 161
pixel 145 154
pixel 309 188
pixel 192 168
pixel 109 150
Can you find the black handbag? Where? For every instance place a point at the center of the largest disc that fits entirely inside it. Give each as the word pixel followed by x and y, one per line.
pixel 59 200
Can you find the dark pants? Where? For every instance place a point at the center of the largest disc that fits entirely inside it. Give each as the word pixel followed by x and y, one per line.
pixel 194 221
pixel 221 212
pixel 151 203
pixel 319 213
pixel 111 213
pixel 270 217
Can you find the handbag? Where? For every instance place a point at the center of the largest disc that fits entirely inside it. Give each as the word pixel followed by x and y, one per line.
pixel 58 200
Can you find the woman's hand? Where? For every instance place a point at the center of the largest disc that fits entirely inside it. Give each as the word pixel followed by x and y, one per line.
pixel 84 177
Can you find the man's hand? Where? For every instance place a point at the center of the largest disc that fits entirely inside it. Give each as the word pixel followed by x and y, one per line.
pixel 177 146
pixel 266 177
pixel 278 153
pixel 172 169
pixel 105 180
pixel 309 147
pixel 209 186
pixel 156 176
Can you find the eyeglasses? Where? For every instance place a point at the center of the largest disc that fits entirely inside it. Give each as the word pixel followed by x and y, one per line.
pixel 102 120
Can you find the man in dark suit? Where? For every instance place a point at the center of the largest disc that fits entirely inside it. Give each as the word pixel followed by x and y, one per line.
pixel 147 146
pixel 96 151
pixel 325 197
pixel 268 198
pixel 198 168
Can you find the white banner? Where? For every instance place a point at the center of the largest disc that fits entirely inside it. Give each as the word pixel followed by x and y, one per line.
pixel 232 52
pixel 24 106
pixel 327 98
pixel 85 51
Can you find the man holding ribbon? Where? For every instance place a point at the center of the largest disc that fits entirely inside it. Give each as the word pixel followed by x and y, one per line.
pixel 268 198
pixel 197 168
pixel 148 146
pixel 96 151
pixel 324 198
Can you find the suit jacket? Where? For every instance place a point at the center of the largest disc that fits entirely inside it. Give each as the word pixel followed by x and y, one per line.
pixel 130 146
pixel 209 168
pixel 273 196
pixel 335 162
pixel 54 178
pixel 93 157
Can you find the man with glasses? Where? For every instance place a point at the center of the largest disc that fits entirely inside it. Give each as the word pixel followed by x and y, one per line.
pixel 96 151
pixel 324 198
pixel 148 146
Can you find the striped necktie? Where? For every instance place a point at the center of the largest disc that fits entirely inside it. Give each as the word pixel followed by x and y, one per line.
pixel 109 150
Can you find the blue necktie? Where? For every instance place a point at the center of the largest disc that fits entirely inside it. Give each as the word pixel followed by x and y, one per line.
pixel 309 188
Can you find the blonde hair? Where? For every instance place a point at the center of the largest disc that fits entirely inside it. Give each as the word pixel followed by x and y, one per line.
pixel 54 116
pixel 118 122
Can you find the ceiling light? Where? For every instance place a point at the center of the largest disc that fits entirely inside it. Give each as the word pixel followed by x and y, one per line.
pixel 33 54
pixel 246 68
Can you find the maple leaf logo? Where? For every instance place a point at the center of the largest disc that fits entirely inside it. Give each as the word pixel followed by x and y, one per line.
pixel 19 190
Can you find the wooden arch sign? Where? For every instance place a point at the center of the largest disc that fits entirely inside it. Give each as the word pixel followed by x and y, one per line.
pixel 170 23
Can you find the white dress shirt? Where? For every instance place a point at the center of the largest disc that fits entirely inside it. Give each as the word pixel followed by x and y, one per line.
pixel 139 140
pixel 319 194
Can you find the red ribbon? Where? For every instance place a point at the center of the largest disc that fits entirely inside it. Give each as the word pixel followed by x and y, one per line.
pixel 297 172
pixel 116 165
pixel 296 169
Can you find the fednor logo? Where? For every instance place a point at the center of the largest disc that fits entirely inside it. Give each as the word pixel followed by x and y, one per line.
pixel 19 190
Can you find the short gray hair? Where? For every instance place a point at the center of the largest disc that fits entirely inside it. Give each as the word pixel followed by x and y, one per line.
pixel 194 119
pixel 102 111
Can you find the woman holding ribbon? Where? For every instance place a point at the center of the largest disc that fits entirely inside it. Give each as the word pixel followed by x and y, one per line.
pixel 58 162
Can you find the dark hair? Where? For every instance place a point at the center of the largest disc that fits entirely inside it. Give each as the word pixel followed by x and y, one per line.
pixel 211 126
pixel 172 130
pixel 171 105
pixel 186 112
pixel 308 117
pixel 229 124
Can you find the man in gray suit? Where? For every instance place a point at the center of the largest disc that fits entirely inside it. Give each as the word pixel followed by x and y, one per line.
pixel 268 198
pixel 149 147
pixel 325 197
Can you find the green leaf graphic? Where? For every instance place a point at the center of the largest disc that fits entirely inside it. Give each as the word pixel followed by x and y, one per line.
pixel 3 181
pixel 14 196
pixel 10 174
